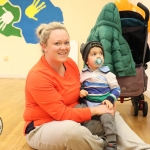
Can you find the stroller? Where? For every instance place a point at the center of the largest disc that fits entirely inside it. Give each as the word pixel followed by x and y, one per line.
pixel 135 32
pixel 123 35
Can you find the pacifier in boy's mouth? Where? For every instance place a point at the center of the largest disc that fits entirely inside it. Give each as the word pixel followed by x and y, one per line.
pixel 99 61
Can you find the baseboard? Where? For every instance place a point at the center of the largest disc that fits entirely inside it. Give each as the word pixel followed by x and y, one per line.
pixel 13 76
pixel 147 93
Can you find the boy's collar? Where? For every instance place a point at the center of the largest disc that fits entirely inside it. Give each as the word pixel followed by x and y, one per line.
pixel 104 69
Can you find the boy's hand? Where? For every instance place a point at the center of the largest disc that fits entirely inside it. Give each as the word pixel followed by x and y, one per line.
pixel 108 104
pixel 83 93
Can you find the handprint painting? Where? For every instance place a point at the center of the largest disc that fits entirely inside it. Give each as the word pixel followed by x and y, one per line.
pixel 21 18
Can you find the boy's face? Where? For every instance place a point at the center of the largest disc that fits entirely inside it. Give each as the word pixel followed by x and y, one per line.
pixel 94 54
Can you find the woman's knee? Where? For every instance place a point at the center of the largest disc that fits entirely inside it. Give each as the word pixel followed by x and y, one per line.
pixel 75 130
pixel 81 138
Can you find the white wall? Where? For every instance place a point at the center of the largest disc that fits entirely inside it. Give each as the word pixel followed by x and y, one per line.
pixel 79 17
pixel 147 93
pixel 16 61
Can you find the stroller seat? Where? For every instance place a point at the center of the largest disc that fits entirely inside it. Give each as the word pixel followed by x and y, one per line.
pixel 134 30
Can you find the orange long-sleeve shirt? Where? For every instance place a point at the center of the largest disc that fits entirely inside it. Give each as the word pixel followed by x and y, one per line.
pixel 52 97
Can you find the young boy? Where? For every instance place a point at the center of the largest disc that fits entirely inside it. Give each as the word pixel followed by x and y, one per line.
pixel 99 87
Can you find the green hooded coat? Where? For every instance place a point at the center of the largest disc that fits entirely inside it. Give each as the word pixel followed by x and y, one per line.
pixel 107 30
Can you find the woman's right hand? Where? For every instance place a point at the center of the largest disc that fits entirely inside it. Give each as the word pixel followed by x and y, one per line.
pixel 102 109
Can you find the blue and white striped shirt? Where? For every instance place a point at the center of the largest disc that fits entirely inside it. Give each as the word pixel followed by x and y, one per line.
pixel 101 84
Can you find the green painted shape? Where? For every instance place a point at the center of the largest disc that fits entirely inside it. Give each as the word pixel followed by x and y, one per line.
pixel 11 30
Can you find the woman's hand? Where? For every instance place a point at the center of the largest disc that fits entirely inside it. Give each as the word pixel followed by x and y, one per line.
pixel 115 105
pixel 83 93
pixel 102 109
pixel 108 104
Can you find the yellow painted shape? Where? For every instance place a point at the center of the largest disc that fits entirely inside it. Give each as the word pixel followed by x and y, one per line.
pixel 2 2
pixel 34 8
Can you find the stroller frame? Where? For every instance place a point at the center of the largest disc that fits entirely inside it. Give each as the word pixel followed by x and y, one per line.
pixel 129 31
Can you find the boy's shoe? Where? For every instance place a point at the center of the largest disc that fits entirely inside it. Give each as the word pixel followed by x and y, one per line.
pixel 111 146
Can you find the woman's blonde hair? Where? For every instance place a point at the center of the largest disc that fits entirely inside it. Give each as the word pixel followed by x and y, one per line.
pixel 44 30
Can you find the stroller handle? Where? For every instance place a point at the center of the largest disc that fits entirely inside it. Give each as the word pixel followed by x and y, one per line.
pixel 145 10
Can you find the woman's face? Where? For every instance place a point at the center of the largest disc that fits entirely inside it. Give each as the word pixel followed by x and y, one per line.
pixel 94 54
pixel 58 46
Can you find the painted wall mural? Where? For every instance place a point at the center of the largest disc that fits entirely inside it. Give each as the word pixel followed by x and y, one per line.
pixel 21 17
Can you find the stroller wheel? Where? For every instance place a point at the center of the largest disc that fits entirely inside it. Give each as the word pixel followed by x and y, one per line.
pixel 132 100
pixel 136 108
pixel 145 108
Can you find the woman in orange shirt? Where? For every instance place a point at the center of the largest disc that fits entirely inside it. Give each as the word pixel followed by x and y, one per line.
pixel 54 118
